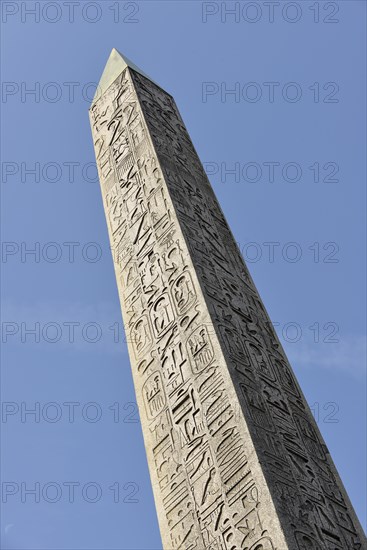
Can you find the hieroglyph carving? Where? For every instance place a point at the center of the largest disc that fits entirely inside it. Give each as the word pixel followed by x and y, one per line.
pixel 236 459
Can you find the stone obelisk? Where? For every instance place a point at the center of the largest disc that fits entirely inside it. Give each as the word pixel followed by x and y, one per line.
pixel 236 459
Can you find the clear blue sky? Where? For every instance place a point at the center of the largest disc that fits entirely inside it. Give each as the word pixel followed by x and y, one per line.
pixel 313 129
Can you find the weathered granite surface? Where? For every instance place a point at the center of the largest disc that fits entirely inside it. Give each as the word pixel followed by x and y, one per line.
pixel 235 456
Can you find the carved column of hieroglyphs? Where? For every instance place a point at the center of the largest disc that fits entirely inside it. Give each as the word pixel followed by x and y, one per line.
pixel 235 457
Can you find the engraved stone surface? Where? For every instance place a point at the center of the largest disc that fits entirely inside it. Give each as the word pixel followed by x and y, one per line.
pixel 236 459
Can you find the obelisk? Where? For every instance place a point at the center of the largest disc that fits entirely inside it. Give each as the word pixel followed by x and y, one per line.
pixel 236 459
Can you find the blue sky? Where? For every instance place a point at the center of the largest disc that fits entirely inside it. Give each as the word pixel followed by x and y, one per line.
pixel 276 98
